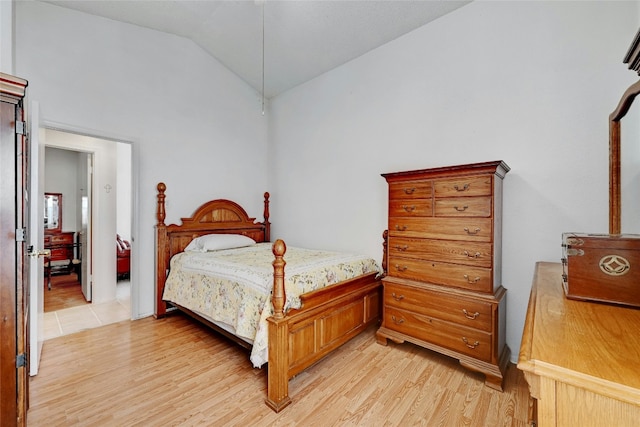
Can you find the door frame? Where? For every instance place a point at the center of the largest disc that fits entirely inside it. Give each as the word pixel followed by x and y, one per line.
pixel 107 136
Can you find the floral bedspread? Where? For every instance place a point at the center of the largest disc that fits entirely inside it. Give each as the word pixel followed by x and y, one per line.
pixel 234 286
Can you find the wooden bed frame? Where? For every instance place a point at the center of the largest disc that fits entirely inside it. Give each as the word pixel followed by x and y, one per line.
pixel 328 318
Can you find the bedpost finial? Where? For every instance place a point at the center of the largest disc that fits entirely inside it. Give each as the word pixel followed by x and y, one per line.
pixel 279 248
pixel 162 187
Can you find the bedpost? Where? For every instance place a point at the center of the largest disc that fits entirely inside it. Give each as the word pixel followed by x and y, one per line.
pixel 385 243
pixel 160 212
pixel 267 224
pixel 278 296
pixel 278 367
pixel 161 252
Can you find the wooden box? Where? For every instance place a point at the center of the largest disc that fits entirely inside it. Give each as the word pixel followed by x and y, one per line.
pixel 602 267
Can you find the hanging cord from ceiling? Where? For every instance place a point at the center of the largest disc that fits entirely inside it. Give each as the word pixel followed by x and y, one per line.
pixel 263 2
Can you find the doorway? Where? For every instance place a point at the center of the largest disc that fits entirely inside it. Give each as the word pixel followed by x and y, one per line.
pixel 94 176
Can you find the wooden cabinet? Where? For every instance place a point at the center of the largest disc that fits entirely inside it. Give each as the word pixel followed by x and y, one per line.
pixel 580 358
pixel 443 288
pixel 14 266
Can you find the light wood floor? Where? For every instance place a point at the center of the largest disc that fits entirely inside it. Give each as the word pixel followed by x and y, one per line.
pixel 175 372
pixel 65 292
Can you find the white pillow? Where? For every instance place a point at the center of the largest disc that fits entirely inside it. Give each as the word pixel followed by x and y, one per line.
pixel 214 242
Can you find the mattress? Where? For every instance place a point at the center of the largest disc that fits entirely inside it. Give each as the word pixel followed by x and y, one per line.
pixel 233 287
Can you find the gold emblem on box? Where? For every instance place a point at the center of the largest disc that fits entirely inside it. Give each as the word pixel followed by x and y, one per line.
pixel 614 265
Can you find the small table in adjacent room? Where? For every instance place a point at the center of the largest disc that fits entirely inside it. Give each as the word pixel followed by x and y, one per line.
pixel 581 359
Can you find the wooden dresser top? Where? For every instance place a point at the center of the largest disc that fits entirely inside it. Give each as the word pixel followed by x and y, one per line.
pixel 590 345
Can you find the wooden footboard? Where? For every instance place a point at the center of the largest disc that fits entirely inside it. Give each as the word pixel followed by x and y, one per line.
pixel 328 317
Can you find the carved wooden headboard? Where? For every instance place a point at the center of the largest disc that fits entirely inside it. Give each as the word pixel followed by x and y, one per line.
pixel 218 216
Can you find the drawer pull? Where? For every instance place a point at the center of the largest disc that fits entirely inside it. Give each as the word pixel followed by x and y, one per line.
pixel 470 316
pixel 397 297
pixel 408 208
pixel 461 209
pixel 401 248
pixel 476 255
pixel 476 231
pixel 463 188
pixel 401 227
pixel 396 320
pixel 466 342
pixel 471 281
pixel 409 190
pixel 401 267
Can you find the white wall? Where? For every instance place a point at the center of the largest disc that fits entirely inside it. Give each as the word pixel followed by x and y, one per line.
pixel 530 83
pixel 61 172
pixel 7 37
pixel 193 124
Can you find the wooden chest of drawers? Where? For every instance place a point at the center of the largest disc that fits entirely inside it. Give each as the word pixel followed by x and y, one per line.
pixel 443 288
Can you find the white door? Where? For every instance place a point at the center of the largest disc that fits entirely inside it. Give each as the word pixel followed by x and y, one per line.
pixel 36 238
pixel 85 233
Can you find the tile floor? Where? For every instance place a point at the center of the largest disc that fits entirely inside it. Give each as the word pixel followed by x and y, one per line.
pixel 74 319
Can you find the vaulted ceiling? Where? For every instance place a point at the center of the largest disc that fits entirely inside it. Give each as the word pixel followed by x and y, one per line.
pixel 302 39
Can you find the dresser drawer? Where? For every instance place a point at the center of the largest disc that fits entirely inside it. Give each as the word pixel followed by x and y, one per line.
pixel 471 229
pixel 58 239
pixel 441 273
pixel 452 251
pixel 59 254
pixel 411 207
pixel 410 190
pixel 464 206
pixel 463 186
pixel 469 341
pixel 453 308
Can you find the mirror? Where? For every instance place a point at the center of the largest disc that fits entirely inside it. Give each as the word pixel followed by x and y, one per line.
pixel 630 170
pixel 52 212
pixel 624 154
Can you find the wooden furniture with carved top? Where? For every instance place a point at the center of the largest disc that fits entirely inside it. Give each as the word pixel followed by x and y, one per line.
pixel 580 358
pixel 297 338
pixel 443 287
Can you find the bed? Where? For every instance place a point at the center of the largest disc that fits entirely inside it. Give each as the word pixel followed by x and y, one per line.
pixel 298 329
